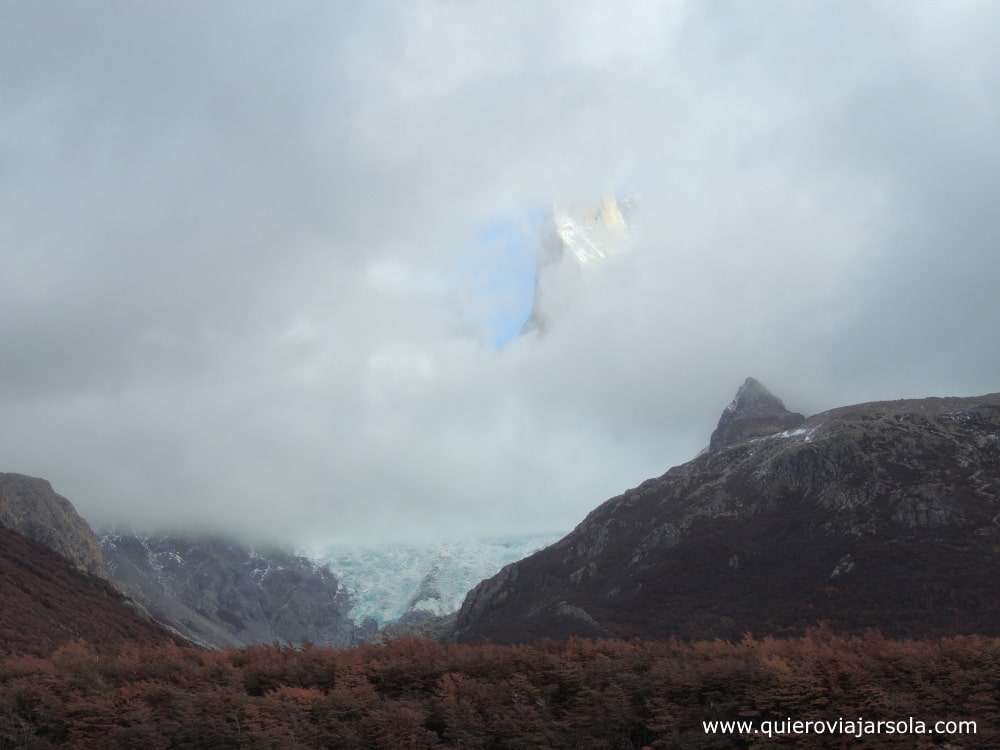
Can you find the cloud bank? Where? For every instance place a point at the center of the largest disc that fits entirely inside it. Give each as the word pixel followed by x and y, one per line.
pixel 234 236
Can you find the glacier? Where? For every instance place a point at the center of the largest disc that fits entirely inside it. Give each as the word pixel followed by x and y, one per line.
pixel 385 581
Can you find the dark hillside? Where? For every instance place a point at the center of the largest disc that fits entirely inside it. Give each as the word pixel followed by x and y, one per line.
pixel 45 602
pixel 882 515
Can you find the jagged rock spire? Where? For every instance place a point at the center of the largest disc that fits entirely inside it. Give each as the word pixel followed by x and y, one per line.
pixel 754 412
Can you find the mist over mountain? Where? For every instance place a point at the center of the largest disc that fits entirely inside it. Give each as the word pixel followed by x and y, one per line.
pixel 572 239
pixel 234 296
pixel 220 593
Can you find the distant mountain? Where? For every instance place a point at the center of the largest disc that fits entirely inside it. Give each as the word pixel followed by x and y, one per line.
pixel 32 508
pixel 223 593
pixel 582 235
pixel 878 515
pixel 592 233
pixel 46 602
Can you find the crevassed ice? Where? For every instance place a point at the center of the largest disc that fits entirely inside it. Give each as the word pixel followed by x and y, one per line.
pixel 385 581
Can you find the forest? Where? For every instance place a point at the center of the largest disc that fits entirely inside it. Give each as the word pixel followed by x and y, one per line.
pixel 553 694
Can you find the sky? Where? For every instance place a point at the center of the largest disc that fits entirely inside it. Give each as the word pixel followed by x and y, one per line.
pixel 261 264
pixel 502 267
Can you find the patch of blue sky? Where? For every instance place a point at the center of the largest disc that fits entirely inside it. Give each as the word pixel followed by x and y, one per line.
pixel 503 268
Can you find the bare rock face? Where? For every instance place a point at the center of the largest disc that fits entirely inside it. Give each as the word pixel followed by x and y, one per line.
pixel 754 412
pixel 33 509
pixel 222 593
pixel 881 515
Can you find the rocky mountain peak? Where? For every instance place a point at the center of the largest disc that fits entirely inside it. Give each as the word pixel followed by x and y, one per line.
pixel 754 412
pixel 754 398
pixel 871 515
pixel 31 507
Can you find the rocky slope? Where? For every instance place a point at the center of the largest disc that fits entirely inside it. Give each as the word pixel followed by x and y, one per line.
pixel 222 593
pixel 753 413
pixel 882 514
pixel 46 602
pixel 32 508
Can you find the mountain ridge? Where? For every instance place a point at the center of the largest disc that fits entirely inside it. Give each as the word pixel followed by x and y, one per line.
pixel 29 506
pixel 868 515
pixel 223 593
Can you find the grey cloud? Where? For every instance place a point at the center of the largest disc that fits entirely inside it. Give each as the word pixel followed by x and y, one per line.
pixel 230 238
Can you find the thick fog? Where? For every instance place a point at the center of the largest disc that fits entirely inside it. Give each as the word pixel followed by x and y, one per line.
pixel 242 283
